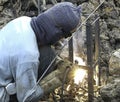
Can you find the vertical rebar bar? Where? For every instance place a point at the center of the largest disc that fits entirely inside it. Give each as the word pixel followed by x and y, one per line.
pixel 71 50
pixel 97 49
pixel 89 62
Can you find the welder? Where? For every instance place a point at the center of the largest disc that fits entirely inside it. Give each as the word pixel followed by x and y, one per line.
pixel 25 50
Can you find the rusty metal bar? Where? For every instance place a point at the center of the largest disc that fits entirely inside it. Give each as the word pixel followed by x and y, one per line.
pixel 70 45
pixel 89 62
pixel 97 48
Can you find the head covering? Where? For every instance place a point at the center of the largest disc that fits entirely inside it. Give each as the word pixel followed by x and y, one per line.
pixel 65 15
pixel 56 22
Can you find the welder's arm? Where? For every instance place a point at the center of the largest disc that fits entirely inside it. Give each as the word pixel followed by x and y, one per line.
pixel 55 78
pixel 26 78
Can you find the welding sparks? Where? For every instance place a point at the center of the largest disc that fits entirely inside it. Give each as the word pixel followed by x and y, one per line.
pixel 79 75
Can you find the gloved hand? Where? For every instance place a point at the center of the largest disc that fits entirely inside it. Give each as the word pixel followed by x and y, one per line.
pixel 55 78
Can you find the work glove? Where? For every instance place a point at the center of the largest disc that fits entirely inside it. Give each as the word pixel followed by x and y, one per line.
pixel 65 70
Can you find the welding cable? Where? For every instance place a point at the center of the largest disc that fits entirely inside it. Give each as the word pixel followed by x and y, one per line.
pixel 54 98
pixel 63 82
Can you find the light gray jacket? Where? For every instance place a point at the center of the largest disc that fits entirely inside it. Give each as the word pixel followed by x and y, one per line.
pixel 19 60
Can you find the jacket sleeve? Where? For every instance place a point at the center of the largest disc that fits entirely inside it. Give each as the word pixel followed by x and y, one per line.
pixel 26 82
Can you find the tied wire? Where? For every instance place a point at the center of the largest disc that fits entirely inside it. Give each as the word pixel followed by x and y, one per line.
pixel 58 53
